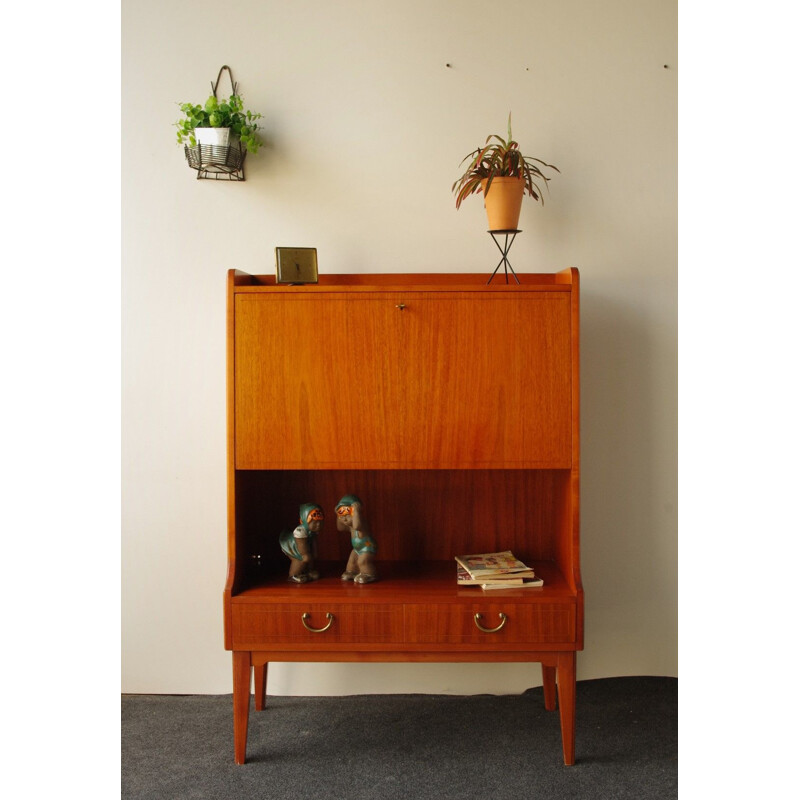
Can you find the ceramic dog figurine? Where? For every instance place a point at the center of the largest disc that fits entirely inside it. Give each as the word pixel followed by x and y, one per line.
pixel 350 517
pixel 301 544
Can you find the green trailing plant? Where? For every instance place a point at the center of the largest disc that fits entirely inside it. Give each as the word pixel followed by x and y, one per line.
pixel 214 114
pixel 500 158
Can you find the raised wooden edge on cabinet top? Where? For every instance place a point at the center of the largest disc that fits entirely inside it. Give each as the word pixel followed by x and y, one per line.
pixel 423 281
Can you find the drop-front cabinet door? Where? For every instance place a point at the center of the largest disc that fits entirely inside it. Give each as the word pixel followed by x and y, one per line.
pixel 422 380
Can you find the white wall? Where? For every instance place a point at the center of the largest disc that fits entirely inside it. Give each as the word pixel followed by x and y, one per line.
pixel 366 127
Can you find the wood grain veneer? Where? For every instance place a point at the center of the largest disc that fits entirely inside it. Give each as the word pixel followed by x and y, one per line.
pixel 452 408
pixel 327 380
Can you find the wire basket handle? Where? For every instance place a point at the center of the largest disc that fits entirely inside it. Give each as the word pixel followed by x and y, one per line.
pixel 230 75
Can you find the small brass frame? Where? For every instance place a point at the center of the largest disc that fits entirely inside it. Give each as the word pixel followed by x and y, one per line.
pixel 296 265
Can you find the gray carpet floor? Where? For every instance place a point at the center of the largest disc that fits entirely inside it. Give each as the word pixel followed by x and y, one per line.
pixel 406 746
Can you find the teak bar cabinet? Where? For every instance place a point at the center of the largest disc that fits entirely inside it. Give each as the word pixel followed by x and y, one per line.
pixel 450 407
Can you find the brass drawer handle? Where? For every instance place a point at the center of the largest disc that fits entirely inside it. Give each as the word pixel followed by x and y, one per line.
pixel 400 306
pixel 503 620
pixel 306 616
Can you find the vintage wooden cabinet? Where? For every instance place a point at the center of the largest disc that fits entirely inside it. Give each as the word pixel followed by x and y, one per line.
pixel 451 407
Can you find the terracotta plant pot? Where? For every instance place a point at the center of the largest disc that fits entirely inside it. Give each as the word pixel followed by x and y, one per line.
pixel 503 203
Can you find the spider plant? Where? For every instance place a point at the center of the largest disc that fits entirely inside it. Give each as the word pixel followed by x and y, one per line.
pixel 500 158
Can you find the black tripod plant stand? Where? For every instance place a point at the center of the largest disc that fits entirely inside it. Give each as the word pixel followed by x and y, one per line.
pixel 504 248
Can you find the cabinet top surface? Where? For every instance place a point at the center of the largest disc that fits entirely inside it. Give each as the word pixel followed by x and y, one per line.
pixel 563 281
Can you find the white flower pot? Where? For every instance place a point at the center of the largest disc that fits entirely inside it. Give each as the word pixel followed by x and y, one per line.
pixel 219 137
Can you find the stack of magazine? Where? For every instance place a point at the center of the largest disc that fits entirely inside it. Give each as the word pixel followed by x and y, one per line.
pixel 495 571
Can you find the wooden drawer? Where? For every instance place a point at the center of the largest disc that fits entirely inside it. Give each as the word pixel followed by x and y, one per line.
pixel 258 625
pixel 523 623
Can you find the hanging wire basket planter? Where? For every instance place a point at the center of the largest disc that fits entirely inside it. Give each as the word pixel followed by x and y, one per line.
pixel 217 162
pixel 220 161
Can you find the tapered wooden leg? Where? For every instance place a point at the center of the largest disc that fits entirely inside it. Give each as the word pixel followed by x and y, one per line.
pixel 241 703
pixel 549 687
pixel 260 680
pixel 566 704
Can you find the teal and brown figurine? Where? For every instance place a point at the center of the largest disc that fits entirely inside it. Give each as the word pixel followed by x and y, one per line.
pixel 301 544
pixel 350 517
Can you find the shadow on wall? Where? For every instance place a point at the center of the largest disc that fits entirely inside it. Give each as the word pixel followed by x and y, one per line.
pixel 628 463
